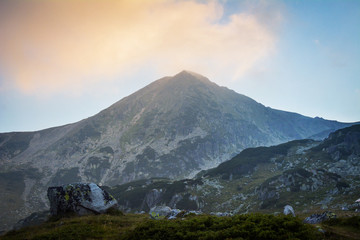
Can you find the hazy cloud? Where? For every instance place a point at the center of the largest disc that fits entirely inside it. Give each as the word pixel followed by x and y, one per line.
pixel 50 46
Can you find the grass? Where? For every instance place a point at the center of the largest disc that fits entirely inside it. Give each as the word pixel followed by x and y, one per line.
pixel 253 226
pixel 136 226
pixel 105 226
pixel 115 225
pixel 342 228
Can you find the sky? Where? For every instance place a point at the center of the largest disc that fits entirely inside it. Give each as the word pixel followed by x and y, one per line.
pixel 65 60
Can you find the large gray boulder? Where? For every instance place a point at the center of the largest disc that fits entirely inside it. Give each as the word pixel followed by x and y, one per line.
pixel 79 198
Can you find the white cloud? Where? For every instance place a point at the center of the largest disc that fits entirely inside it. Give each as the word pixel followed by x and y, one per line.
pixel 57 46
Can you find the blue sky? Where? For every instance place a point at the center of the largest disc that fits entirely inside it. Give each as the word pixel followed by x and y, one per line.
pixel 298 56
pixel 316 68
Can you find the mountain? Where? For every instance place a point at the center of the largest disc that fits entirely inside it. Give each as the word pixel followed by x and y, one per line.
pixel 174 128
pixel 309 175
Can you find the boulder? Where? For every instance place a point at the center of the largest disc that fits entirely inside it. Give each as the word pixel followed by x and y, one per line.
pixel 289 210
pixel 318 218
pixel 79 198
pixel 160 212
pixel 165 212
pixel 173 214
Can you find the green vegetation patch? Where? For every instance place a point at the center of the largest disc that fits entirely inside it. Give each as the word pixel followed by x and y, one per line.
pixel 105 226
pixel 343 141
pixel 342 228
pixel 339 136
pixel 66 176
pixel 351 222
pixel 87 131
pixel 116 225
pixel 248 159
pixel 11 187
pixel 187 203
pixel 14 143
pixel 253 226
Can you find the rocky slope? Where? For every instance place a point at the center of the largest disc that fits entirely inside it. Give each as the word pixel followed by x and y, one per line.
pixel 306 174
pixel 173 128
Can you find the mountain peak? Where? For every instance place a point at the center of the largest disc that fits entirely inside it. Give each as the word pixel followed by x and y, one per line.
pixel 171 128
pixel 189 75
pixel 187 72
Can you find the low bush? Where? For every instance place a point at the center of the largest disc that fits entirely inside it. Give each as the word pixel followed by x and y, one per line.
pixel 353 222
pixel 253 226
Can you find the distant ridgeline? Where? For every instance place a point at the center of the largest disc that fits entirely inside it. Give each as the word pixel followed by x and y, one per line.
pixel 307 174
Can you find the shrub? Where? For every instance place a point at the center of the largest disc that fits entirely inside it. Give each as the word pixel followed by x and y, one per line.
pixel 253 226
pixel 353 222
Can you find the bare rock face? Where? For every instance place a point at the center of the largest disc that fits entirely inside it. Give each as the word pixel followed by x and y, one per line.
pixel 79 198
pixel 153 198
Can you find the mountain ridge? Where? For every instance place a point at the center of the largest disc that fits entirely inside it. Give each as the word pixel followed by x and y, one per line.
pixel 307 174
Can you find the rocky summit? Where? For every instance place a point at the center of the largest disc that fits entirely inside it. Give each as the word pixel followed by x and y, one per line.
pixel 173 128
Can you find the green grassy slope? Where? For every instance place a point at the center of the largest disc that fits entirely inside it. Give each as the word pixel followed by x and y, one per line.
pixel 139 226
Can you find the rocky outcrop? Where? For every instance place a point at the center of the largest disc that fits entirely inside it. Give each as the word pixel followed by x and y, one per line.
pixel 301 173
pixel 318 218
pixel 299 180
pixel 160 212
pixel 79 198
pixel 165 212
pixel 152 198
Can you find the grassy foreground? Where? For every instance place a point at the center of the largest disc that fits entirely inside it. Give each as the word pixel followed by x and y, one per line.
pixel 136 226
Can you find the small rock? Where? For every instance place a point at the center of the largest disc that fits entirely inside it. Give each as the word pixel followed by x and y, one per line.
pixel 289 210
pixel 320 229
pixel 173 213
pixel 159 212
